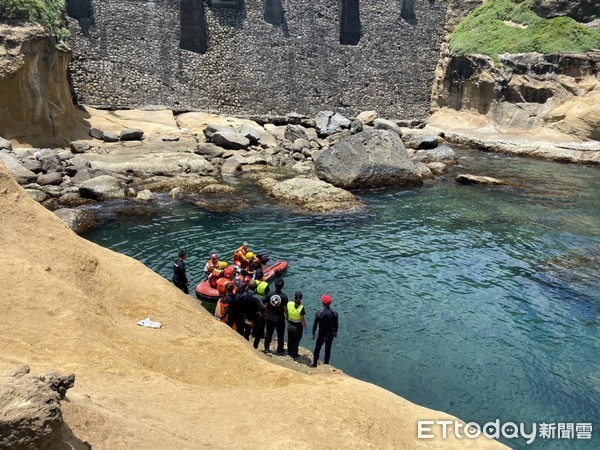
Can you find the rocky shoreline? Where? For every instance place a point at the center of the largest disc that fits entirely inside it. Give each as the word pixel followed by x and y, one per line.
pixel 309 163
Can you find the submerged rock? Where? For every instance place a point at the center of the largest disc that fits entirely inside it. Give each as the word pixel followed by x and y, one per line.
pixel 477 179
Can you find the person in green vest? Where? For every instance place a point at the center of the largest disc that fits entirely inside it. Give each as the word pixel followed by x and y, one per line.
pixel 295 324
pixel 262 287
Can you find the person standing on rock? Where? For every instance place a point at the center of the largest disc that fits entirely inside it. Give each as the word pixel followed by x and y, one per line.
pixel 296 324
pixel 326 321
pixel 253 310
pixel 179 272
pixel 276 309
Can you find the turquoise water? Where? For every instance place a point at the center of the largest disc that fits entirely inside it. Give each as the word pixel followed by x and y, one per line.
pixel 483 302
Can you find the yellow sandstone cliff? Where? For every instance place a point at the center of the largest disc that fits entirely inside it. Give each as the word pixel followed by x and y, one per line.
pixel 70 305
pixel 35 101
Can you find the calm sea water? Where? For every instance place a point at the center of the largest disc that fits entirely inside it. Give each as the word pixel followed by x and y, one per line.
pixel 483 302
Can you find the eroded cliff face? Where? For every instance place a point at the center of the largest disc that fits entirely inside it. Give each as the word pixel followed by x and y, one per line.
pixel 526 92
pixel 529 94
pixel 36 106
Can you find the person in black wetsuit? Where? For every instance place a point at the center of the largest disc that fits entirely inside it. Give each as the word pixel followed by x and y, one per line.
pixel 234 308
pixel 327 322
pixel 277 313
pixel 253 310
pixel 179 272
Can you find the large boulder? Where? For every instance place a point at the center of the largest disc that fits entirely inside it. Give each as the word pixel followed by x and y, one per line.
pixel 294 132
pixel 5 144
pixel 230 139
pixel 47 179
pixel 231 167
pixel 311 194
pixel 373 158
pixel 78 220
pixel 443 154
pixel 367 117
pixel 250 133
pixel 384 124
pixel 210 130
pixel 103 187
pixel 580 10
pixel 79 147
pixel 337 122
pixel 32 164
pixel 328 122
pixel 211 150
pixel 18 172
pixel 131 134
pixel 38 195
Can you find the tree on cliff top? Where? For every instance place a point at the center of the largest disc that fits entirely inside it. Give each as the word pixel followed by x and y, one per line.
pixel 48 13
pixel 511 26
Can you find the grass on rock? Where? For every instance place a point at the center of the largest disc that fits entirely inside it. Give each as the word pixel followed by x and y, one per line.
pixel 511 26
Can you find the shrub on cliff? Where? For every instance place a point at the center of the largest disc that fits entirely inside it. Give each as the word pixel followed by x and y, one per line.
pixel 49 13
pixel 511 26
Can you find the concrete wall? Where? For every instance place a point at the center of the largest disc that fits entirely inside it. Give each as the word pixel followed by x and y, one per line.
pixel 131 57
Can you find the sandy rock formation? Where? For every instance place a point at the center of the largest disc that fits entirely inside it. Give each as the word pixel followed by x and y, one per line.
pixel 34 88
pixel 177 387
pixel 547 104
pixel 310 194
pixel 30 412
pixel 544 106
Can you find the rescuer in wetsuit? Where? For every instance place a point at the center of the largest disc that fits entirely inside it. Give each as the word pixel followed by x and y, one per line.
pixel 277 313
pixel 327 322
pixel 179 272
pixel 253 310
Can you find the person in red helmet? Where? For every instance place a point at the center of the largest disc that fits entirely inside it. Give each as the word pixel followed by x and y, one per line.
pixel 326 321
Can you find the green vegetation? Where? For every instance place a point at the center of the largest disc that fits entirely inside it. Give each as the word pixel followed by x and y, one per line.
pixel 49 13
pixel 510 26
